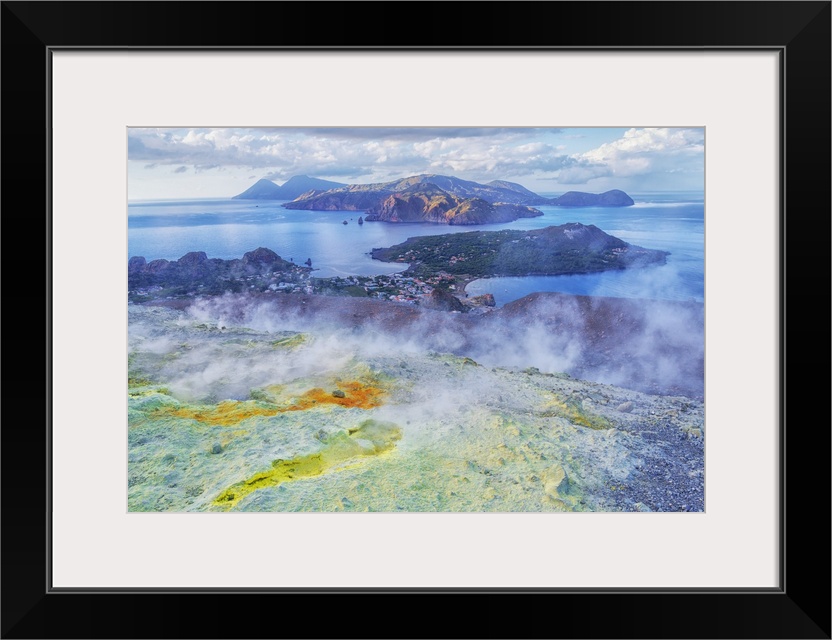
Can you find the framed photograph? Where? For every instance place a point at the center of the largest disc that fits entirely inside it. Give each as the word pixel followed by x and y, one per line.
pixel 453 344
pixel 490 316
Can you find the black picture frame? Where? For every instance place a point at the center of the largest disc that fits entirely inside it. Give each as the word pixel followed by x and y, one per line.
pixel 798 608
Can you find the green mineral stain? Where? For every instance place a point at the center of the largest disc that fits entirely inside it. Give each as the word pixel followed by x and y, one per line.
pixel 134 381
pixel 370 438
pixel 143 391
pixel 290 342
pixel 454 359
pixel 572 410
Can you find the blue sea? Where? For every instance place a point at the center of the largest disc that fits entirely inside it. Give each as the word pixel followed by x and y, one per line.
pixel 226 228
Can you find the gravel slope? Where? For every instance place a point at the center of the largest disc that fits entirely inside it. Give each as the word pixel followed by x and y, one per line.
pixel 231 408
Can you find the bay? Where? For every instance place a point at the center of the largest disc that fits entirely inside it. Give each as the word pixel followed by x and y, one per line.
pixel 226 228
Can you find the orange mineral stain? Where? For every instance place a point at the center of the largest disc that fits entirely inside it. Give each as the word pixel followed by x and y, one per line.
pixel 356 395
pixel 225 413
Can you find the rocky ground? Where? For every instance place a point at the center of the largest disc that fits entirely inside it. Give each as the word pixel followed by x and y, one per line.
pixel 646 345
pixel 340 404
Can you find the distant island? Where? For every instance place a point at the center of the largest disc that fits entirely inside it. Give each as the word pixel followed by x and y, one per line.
pixel 426 198
pixel 556 250
pixel 291 189
pixel 614 198
pixel 425 202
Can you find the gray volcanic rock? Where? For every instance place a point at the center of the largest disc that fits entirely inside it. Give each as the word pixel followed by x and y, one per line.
pixel 625 407
pixel 152 267
pixel 136 264
pixel 261 255
pixel 194 259
pixel 485 300
pixel 195 269
pixel 442 300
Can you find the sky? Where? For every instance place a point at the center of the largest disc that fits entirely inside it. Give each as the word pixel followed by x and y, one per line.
pixel 220 163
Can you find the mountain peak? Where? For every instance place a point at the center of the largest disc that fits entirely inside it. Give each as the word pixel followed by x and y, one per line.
pixel 261 190
pixel 427 197
pixel 295 186
pixel 512 186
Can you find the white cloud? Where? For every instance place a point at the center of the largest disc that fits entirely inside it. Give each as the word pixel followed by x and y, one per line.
pixel 536 158
pixel 656 141
pixel 471 153
pixel 639 152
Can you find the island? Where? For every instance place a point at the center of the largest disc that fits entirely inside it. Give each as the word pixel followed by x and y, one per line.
pixel 425 202
pixel 294 187
pixel 556 250
pixel 349 195
pixel 613 198
pixel 426 198
pixel 446 200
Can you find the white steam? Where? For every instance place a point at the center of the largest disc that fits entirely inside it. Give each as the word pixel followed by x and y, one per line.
pixel 656 347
